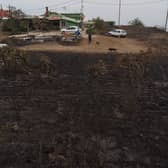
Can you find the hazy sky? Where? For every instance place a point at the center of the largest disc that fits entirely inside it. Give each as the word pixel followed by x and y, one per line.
pixel 151 12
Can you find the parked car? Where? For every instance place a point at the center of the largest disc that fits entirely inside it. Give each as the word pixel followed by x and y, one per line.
pixel 28 38
pixel 71 29
pixel 2 45
pixel 117 33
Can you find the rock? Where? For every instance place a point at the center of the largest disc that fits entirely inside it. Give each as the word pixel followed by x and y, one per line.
pixel 55 156
pixel 16 127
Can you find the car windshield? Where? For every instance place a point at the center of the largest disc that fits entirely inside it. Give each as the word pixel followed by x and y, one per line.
pixel 117 31
pixel 71 28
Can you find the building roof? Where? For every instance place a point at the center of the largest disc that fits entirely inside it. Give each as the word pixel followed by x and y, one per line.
pixel 54 18
pixel 71 17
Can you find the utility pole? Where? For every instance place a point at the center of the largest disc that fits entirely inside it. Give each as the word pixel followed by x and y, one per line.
pixel 166 20
pixel 119 14
pixel 1 11
pixel 10 12
pixel 82 8
pixel 9 8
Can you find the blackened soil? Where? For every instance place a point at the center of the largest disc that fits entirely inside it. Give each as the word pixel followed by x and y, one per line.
pixel 88 111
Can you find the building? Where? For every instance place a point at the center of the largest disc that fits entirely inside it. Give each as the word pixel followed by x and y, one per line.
pixel 4 14
pixel 46 22
pixel 64 19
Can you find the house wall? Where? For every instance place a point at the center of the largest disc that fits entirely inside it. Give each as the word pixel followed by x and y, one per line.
pixel 4 13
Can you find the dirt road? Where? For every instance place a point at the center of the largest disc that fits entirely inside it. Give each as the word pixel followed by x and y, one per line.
pixel 100 44
pixel 3 35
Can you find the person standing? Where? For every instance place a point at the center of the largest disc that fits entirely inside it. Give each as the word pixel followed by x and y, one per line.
pixel 90 35
pixel 77 34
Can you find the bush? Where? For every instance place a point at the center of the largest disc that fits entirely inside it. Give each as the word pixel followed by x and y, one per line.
pixel 136 22
pixel 15 26
pixel 99 25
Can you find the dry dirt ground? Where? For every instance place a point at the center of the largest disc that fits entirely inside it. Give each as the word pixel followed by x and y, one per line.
pixel 139 39
pixel 100 44
pixel 3 35
pixel 153 38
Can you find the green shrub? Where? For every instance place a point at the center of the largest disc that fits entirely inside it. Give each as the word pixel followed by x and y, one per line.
pixel 99 25
pixel 136 22
pixel 15 26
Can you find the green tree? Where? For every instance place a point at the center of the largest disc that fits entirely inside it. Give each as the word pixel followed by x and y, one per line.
pixel 136 22
pixel 16 13
pixel 14 25
pixel 99 24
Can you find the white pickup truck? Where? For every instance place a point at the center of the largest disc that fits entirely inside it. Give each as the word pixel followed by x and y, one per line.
pixel 117 33
pixel 2 45
pixel 71 29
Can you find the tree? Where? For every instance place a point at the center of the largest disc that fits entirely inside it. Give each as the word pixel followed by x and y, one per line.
pixel 15 26
pixel 136 22
pixel 16 13
pixel 11 25
pixel 99 24
pixel 15 23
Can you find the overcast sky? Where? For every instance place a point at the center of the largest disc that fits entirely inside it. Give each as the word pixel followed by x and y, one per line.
pixel 151 12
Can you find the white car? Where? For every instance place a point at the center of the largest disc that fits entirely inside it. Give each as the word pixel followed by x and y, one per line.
pixel 2 45
pixel 118 33
pixel 71 29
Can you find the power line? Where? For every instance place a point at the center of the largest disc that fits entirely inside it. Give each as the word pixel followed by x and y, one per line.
pixel 72 4
pixel 125 4
pixel 53 5
pixel 95 3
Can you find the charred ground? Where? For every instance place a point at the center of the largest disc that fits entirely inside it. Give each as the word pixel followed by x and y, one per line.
pixel 71 110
